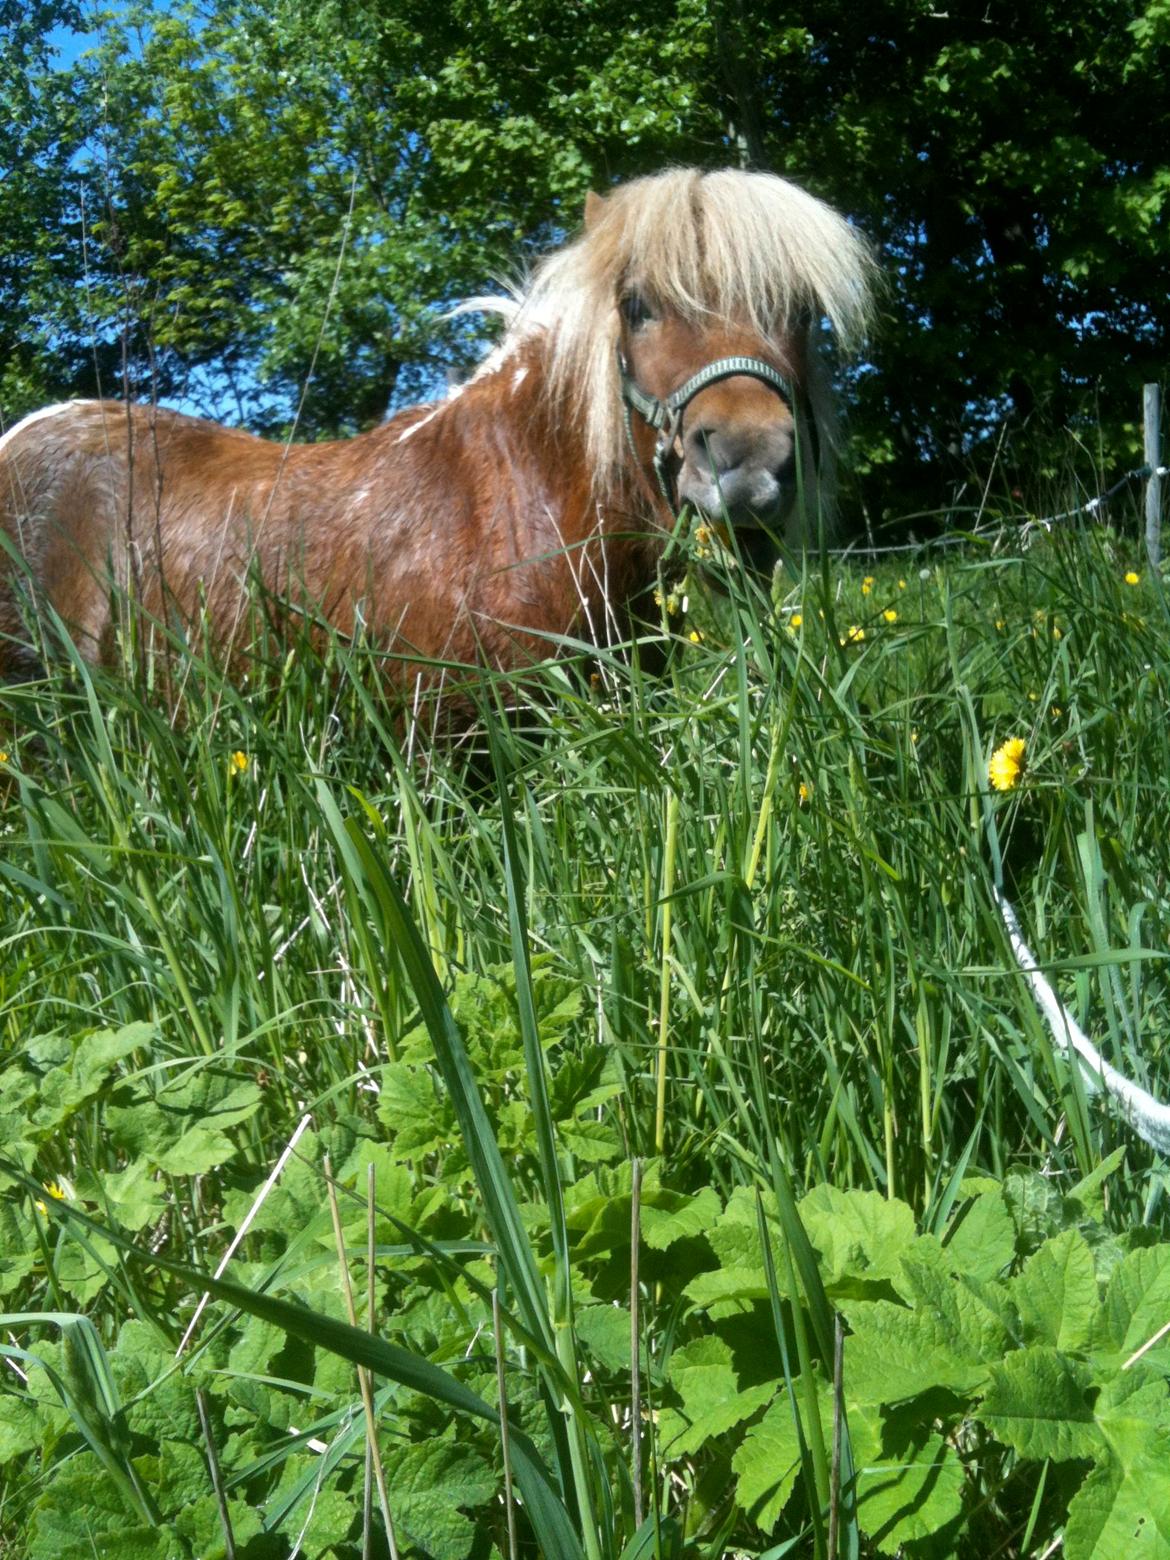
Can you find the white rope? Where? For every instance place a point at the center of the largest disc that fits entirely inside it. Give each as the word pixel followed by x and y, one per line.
pixel 1149 1118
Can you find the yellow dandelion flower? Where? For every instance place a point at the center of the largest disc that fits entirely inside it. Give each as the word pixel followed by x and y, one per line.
pixel 238 762
pixel 1133 578
pixel 890 615
pixel 854 636
pixel 1007 764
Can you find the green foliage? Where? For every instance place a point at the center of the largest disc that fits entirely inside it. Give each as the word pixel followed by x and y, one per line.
pixel 864 1119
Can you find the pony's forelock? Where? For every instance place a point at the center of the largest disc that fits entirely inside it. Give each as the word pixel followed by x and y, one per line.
pixel 750 248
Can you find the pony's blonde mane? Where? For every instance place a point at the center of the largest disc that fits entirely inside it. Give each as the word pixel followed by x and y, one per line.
pixel 744 247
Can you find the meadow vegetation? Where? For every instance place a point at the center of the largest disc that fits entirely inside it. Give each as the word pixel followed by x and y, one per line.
pixel 713 958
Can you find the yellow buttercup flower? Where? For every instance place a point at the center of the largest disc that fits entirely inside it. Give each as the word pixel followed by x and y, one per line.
pixel 805 791
pixel 1007 764
pixel 890 615
pixel 1133 578
pixel 54 1189
pixel 854 636
pixel 238 762
pixel 794 622
pixel 867 585
pixel 695 637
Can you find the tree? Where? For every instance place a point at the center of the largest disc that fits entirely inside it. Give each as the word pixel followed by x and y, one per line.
pixel 268 188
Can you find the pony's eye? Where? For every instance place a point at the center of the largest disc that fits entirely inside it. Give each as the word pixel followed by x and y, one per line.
pixel 635 310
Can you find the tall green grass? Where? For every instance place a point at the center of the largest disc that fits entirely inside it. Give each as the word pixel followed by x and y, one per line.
pixel 742 923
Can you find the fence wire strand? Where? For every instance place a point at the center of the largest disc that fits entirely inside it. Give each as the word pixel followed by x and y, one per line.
pixel 1091 506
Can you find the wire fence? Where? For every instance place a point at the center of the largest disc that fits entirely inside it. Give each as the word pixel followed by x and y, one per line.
pixel 1001 529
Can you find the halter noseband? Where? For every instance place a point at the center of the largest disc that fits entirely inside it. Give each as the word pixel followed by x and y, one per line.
pixel 666 416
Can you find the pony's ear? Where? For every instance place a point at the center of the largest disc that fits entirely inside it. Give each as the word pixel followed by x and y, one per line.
pixel 593 206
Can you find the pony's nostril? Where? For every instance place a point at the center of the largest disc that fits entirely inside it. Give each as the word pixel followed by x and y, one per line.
pixel 717 450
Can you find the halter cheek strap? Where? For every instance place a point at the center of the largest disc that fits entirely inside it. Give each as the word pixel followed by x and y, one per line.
pixel 666 416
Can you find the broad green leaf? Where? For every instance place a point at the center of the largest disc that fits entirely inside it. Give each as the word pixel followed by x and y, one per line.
pixel 431 1482
pixel 83 1269
pixel 322 1517
pixel 22 1425
pixel 1038 1403
pixel 94 1061
pixel 158 1396
pixel 859 1235
pixel 1121 1513
pixel 981 1239
pixel 909 1478
pixel 182 1129
pixel 201 1525
pixel 766 1464
pixel 1057 1293
pixel 177 1472
pixel 948 1337
pixel 1133 1411
pixel 1137 1308
pixel 735 1235
pixel 712 1400
pixel 81 1517
pixel 677 1216
pixel 979 1313
pixel 895 1353
pixel 134 1196
pixel 417 1119
pixel 605 1332
pixel 198 1150
pixel 727 1289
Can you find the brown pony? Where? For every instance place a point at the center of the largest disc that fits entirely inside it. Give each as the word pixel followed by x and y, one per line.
pixel 666 356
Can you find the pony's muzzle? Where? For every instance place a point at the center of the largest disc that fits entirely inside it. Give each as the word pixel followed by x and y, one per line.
pixel 746 474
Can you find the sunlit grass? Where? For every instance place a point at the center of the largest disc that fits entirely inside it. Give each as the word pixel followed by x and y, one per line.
pixel 767 875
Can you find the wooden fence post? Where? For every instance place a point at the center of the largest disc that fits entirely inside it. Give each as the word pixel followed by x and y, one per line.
pixel 1152 417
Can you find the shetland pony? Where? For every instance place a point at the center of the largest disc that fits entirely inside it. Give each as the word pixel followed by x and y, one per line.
pixel 667 356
